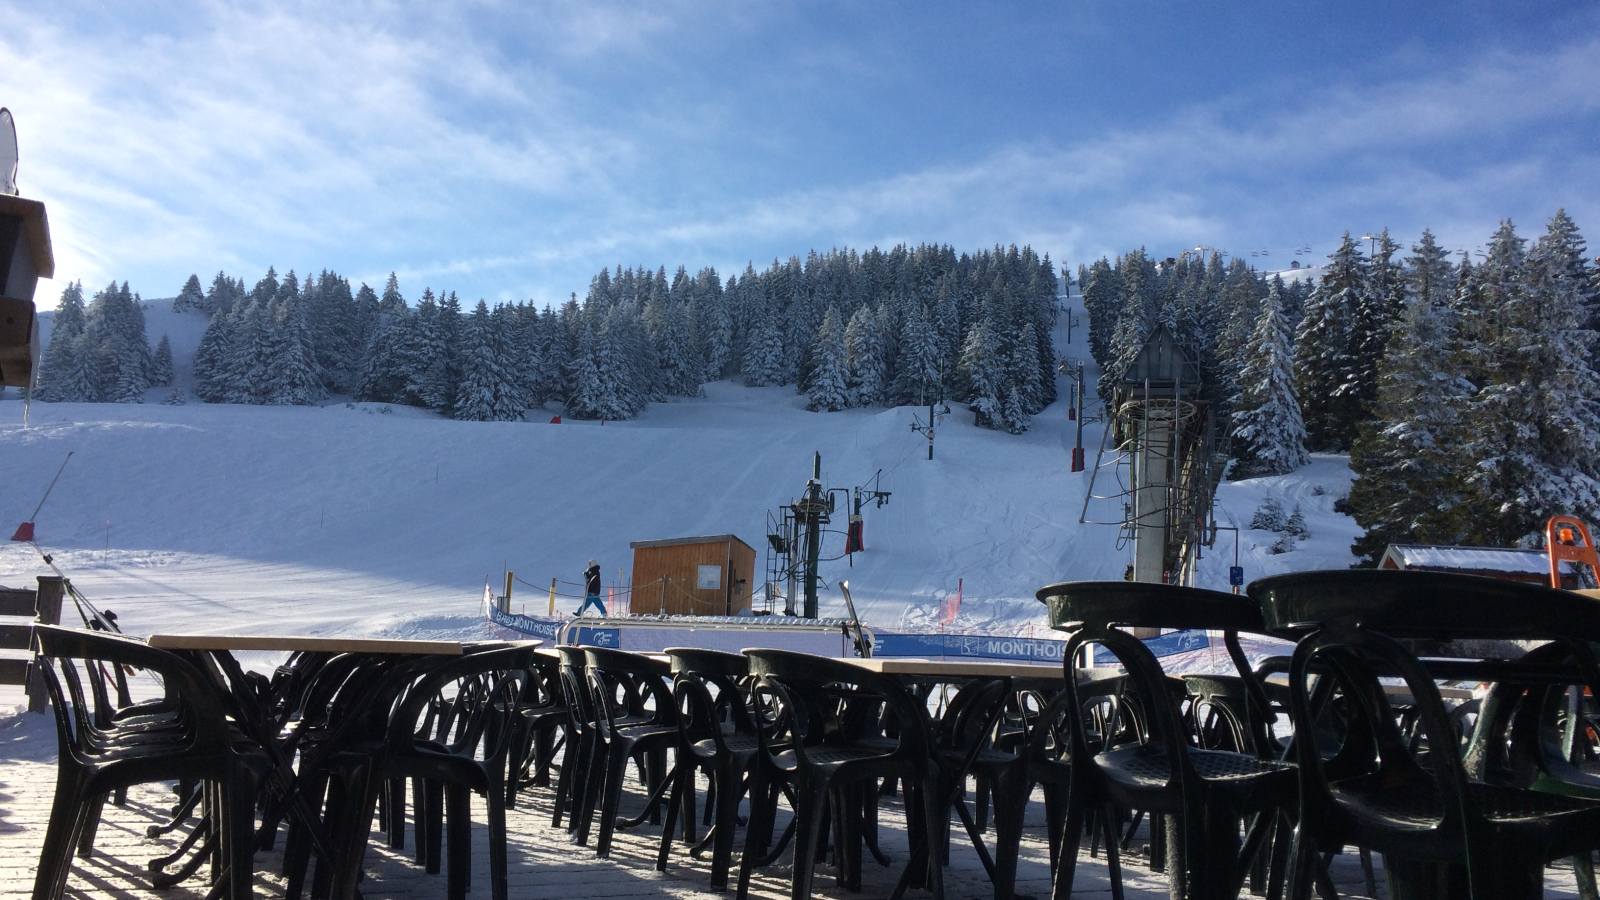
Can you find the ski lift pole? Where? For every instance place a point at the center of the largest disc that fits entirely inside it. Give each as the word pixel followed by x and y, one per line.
pixel 1077 449
pixel 25 530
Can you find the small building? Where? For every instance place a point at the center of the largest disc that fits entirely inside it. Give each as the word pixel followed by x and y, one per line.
pixel 1511 564
pixel 692 576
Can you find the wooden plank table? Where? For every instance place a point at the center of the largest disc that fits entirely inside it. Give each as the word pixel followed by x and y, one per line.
pixel 296 643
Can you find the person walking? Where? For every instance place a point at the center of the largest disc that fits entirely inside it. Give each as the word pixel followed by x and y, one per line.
pixel 591 589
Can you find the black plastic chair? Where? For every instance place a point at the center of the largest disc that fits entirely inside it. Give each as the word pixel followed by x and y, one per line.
pixel 823 707
pixel 541 713
pixel 1441 832
pixel 1207 793
pixel 963 739
pixel 635 719
pixel 193 740
pixel 716 735
pixel 572 795
pixel 487 686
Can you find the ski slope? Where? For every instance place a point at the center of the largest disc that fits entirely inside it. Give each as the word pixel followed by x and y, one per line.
pixel 363 519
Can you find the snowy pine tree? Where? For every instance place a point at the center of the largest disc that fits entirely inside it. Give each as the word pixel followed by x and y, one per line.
pixel 488 392
pixel 1323 365
pixel 1528 442
pixel 292 376
pixel 917 374
pixel 980 375
pixel 1269 516
pixel 864 357
pixel 764 359
pixel 161 364
pixel 1402 457
pixel 828 389
pixel 1266 420
pixel 191 296
pixel 58 362
pixel 211 358
pixel 1377 305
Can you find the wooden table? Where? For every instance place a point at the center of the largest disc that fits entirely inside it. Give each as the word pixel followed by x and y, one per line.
pixel 295 643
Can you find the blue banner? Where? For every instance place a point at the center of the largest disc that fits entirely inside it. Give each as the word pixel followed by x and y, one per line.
pixel 976 646
pixel 544 629
pixel 1177 642
pixel 967 646
pixel 583 636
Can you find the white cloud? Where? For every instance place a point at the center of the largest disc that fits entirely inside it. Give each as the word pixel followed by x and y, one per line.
pixel 509 151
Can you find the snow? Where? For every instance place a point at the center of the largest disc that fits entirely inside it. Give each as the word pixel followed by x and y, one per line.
pixel 371 520
pixel 1475 559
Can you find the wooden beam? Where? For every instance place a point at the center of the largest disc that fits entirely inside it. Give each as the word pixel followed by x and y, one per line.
pixel 16 602
pixel 14 671
pixel 16 637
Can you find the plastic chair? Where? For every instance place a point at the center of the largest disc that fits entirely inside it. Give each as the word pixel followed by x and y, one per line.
pixel 194 741
pixel 1208 793
pixel 822 706
pixel 541 713
pixel 488 685
pixel 716 735
pixel 1439 830
pixel 635 718
pixel 571 785
pixel 962 738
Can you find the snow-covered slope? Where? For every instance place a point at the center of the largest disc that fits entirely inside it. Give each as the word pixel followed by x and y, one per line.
pixel 361 518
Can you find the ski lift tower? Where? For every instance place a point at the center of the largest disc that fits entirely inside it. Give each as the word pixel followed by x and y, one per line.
pixel 1163 432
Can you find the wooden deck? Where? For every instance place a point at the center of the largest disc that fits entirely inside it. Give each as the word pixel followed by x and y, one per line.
pixel 544 864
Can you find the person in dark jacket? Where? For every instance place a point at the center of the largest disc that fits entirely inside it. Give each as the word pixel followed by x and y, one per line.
pixel 591 589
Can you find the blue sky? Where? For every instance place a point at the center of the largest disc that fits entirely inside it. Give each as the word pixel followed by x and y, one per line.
pixel 507 151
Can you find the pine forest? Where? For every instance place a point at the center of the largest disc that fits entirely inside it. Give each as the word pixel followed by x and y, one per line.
pixel 1466 391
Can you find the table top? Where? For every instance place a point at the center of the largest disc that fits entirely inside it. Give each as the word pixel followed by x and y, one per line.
pixel 301 643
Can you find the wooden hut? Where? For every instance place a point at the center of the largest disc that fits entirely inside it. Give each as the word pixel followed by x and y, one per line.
pixel 692 576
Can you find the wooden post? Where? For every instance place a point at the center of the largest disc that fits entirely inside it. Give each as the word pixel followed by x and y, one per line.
pixel 552 598
pixel 47 611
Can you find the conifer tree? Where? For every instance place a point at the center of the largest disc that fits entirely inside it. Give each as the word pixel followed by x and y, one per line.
pixel 211 358
pixel 161 364
pixel 191 296
pixel 1528 441
pixel 1405 485
pixel 291 364
pixel 1376 307
pixel 488 391
pixel 1266 421
pixel 586 398
pixel 681 367
pixel 917 374
pixel 763 362
pixel 981 376
pixel 244 376
pixel 65 328
pixel 828 391
pixel 1322 364
pixel 225 294
pixel 864 357
pixel 1024 372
